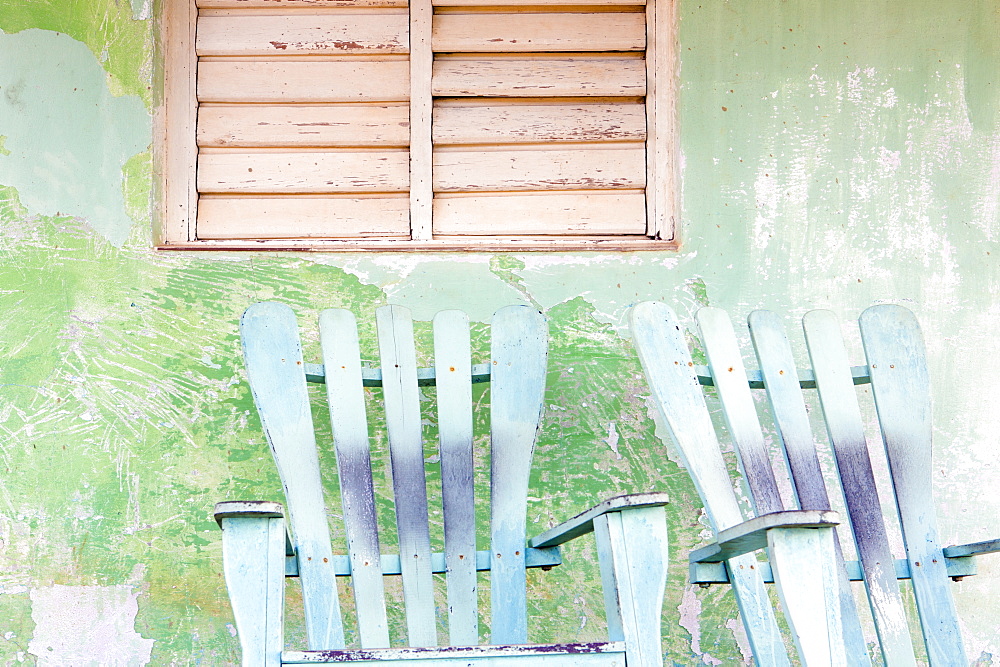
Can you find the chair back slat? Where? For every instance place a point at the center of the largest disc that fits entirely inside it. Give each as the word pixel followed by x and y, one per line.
pixel 846 431
pixel 345 396
pixel 788 409
pixel 403 423
pixel 808 593
pixel 663 351
pixel 519 350
pixel 277 378
pixel 453 369
pixel 729 374
pixel 896 357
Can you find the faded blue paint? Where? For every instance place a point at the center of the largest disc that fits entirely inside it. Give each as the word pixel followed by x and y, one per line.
pixel 66 136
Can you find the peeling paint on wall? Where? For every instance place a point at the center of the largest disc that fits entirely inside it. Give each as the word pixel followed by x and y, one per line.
pixel 833 156
pixel 67 139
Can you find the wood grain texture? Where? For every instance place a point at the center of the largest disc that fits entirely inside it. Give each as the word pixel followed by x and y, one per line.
pixel 778 372
pixel 270 81
pixel 510 123
pixel 540 78
pixel 302 218
pixel 253 562
pixel 297 4
pixel 666 360
pixel 533 3
pixel 406 454
pixel 273 356
pixel 303 126
pixel 726 364
pixel 174 118
pixel 306 173
pixel 453 363
pixel 572 169
pixel 632 547
pixel 518 353
pixel 846 432
pixel 518 32
pixel 897 359
pixel 346 399
pixel 555 214
pixel 805 570
pixel 298 35
pixel 421 106
pixel 583 523
pixel 662 164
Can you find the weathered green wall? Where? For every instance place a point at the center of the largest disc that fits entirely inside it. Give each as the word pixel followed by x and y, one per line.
pixel 834 155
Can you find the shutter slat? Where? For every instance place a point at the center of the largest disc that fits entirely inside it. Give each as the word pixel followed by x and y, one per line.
pixel 300 217
pixel 465 171
pixel 540 78
pixel 289 35
pixel 512 123
pixel 303 172
pixel 512 33
pixel 298 81
pixel 297 126
pixel 582 213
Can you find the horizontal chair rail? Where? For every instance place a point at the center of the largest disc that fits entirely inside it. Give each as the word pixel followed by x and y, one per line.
pixel 372 377
pixel 807 379
pixel 427 377
pixel 543 558
pixel 705 574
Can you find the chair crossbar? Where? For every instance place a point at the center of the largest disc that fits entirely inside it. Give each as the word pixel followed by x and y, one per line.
pixel 372 377
pixel 807 379
pixel 546 559
pixel 706 574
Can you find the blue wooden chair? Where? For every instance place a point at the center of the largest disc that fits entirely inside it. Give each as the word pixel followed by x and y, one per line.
pixel 259 554
pixel 804 550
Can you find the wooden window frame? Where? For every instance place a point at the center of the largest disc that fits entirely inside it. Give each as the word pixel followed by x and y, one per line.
pixel 176 150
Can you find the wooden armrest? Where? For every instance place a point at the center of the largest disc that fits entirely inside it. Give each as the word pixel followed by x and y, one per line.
pixel 253 509
pixel 972 549
pixel 752 535
pixel 248 508
pixel 584 522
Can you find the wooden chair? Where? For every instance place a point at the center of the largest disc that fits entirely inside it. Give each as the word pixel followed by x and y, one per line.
pixel 803 547
pixel 258 554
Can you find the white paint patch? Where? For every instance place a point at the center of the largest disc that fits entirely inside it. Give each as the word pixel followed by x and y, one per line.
pixel 87 625
pixel 612 439
pixel 142 10
pixel 741 640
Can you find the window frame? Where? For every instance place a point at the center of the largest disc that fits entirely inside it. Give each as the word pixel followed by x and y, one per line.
pixel 176 149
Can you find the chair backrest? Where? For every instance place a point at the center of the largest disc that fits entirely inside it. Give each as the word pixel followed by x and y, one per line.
pixel 896 372
pixel 516 372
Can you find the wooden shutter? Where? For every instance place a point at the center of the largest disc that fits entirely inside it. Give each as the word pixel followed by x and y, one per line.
pixel 429 122
pixel 303 119
pixel 539 121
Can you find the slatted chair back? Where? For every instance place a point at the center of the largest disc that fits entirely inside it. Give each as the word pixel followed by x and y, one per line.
pixel 516 371
pixel 815 590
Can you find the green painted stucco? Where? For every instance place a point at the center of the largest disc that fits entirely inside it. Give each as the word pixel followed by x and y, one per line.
pixel 833 155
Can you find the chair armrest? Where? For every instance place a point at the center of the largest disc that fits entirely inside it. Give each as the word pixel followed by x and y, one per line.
pixel 247 508
pixel 972 549
pixel 253 509
pixel 255 548
pixel 584 522
pixel 752 535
